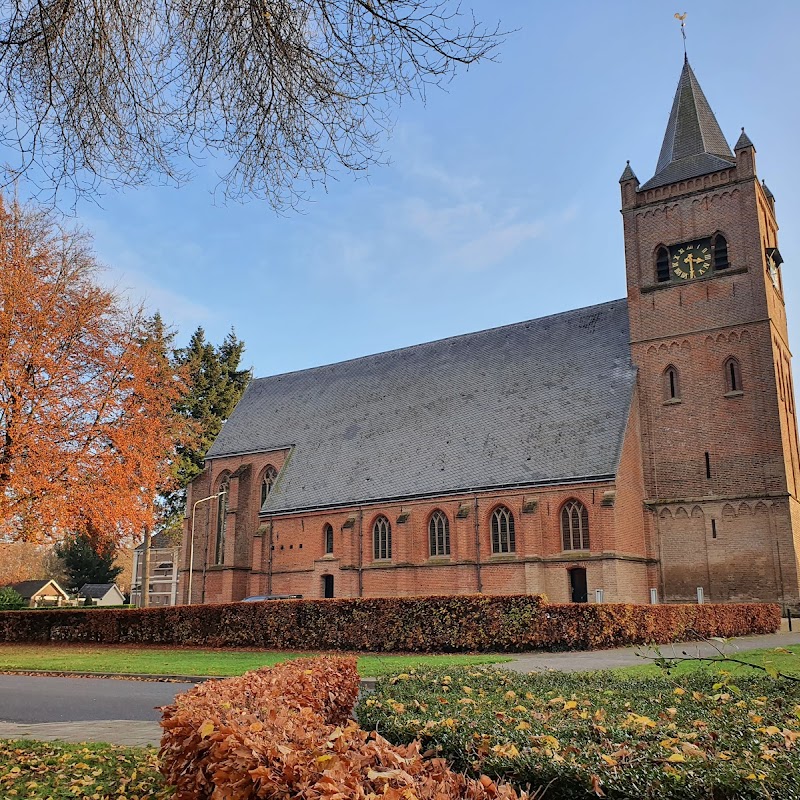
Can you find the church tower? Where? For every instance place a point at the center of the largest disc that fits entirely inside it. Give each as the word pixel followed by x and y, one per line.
pixel 714 386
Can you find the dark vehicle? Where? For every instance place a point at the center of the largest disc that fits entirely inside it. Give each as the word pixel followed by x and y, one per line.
pixel 258 598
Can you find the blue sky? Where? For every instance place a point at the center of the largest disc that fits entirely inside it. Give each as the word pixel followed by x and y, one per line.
pixel 500 202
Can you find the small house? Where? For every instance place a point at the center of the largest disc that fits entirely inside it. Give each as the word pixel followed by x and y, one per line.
pixel 101 594
pixel 38 594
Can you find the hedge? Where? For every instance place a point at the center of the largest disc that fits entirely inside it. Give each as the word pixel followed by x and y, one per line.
pixel 464 623
pixel 286 732
pixel 699 737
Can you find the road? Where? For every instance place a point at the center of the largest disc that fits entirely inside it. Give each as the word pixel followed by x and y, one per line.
pixel 26 699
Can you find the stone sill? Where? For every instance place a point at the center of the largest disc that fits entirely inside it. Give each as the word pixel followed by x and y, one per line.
pixel 657 287
pixel 737 393
pixel 675 401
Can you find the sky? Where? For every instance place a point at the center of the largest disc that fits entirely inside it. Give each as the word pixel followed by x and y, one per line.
pixel 501 199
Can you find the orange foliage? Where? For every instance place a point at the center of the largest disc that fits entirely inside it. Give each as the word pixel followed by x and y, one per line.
pixel 285 732
pixel 86 394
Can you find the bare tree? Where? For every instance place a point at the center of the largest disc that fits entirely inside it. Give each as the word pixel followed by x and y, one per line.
pixel 286 92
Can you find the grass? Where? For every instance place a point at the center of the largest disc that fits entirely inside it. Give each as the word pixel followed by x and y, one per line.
pixel 601 734
pixel 184 661
pixel 60 771
pixel 785 660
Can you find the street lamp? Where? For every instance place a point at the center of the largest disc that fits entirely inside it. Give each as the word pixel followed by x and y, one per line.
pixel 191 541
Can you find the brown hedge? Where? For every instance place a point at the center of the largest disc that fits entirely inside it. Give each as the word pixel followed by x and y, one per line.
pixel 284 732
pixel 464 623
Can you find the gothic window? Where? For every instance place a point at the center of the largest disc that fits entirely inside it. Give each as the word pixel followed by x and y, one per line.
pixel 662 264
pixel 268 481
pixel 439 534
pixel 382 538
pixel 733 375
pixel 672 390
pixel 328 539
pixel 222 521
pixel 575 526
pixel 502 524
pixel 719 250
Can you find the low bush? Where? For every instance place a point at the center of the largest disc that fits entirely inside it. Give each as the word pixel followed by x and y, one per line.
pixel 285 732
pixel 10 599
pixel 587 736
pixel 465 623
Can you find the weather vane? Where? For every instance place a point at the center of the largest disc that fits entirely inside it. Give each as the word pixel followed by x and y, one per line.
pixel 682 18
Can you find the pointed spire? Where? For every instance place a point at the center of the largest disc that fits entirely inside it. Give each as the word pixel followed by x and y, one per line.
pixel 767 192
pixel 693 143
pixel 743 141
pixel 628 175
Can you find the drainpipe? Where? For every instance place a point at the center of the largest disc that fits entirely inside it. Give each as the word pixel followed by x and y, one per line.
pixel 269 560
pixel 478 549
pixel 360 552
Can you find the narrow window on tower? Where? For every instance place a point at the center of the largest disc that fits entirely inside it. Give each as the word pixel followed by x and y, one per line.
pixel 708 466
pixel 719 252
pixel 733 375
pixel 662 265
pixel 671 385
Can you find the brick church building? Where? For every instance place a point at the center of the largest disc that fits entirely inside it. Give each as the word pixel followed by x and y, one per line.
pixel 642 450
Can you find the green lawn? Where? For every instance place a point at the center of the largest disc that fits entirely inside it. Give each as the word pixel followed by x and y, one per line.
pixel 181 661
pixel 59 771
pixel 785 660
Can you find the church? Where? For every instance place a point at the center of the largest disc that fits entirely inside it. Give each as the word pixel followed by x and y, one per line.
pixel 643 450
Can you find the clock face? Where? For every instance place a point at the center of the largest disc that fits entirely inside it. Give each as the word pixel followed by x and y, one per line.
pixel 690 260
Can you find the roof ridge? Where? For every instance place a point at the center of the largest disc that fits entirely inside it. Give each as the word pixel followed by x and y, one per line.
pixel 455 337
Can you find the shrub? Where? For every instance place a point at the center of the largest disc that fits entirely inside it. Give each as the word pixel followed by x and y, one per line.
pixel 10 599
pixel 285 732
pixel 465 623
pixel 598 735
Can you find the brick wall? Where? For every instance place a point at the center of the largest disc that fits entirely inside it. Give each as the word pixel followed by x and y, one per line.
pixel 719 465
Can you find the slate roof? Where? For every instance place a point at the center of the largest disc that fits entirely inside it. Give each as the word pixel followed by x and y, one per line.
pixel 158 541
pixel 97 591
pixel 538 402
pixel 743 141
pixel 693 143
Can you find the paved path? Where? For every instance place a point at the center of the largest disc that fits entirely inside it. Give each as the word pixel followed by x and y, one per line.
pixel 83 709
pixel 633 656
pixel 116 731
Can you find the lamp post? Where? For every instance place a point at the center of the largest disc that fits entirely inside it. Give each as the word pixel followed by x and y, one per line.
pixel 191 540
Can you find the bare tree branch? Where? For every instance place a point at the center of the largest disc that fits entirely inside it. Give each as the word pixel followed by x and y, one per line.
pixel 287 92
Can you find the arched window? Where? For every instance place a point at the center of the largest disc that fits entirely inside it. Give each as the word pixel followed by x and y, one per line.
pixel 719 252
pixel 575 526
pixel 733 375
pixel 672 389
pixel 503 540
pixel 267 482
pixel 328 532
pixel 662 264
pixel 222 521
pixel 439 534
pixel 382 538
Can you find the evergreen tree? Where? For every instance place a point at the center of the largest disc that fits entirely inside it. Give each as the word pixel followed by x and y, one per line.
pixel 214 385
pixel 87 559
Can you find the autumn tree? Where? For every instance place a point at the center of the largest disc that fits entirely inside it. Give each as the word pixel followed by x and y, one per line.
pixel 87 426
pixel 87 559
pixel 282 91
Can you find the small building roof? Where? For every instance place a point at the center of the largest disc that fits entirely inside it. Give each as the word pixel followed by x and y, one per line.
pixel 159 541
pixel 27 589
pixel 97 590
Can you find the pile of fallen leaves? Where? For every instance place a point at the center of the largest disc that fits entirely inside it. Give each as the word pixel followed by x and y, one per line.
pixel 286 732
pixel 61 771
pixel 598 735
